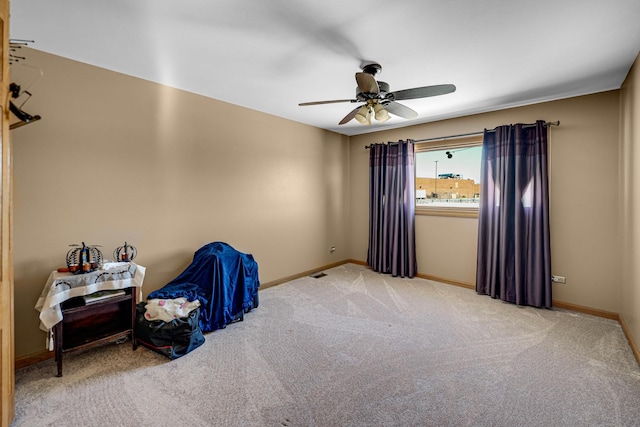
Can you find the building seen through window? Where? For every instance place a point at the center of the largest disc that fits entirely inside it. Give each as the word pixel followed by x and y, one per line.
pixel 448 176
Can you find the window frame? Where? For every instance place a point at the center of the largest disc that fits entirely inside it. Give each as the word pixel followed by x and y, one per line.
pixel 452 143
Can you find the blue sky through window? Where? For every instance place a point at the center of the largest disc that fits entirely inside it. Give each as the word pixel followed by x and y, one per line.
pixel 465 161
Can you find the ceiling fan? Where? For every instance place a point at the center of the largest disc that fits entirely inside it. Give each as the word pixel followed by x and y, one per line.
pixel 379 101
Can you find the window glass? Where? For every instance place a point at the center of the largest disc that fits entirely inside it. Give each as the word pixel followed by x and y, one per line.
pixel 448 174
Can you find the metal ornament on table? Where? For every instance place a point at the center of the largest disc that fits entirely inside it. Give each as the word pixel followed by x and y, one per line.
pixel 125 253
pixel 83 259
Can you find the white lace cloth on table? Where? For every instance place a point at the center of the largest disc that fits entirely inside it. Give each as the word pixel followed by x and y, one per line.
pixel 169 309
pixel 63 286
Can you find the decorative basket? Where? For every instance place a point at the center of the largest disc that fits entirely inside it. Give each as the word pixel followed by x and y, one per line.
pixel 83 259
pixel 125 253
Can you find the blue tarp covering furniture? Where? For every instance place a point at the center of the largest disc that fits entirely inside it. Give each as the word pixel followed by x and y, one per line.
pixel 224 280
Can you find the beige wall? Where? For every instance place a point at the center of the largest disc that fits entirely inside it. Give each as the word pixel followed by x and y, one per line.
pixel 630 197
pixel 116 158
pixel 584 209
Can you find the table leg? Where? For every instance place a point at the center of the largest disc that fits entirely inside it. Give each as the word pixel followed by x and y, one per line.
pixel 57 329
pixel 134 299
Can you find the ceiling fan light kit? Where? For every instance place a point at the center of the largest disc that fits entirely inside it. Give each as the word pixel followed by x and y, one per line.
pixel 382 115
pixel 364 115
pixel 378 99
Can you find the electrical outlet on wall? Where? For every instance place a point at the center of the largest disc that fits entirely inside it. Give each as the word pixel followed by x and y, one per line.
pixel 332 249
pixel 558 279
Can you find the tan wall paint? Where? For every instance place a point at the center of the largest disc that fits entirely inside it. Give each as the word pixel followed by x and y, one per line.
pixel 584 209
pixel 116 158
pixel 630 200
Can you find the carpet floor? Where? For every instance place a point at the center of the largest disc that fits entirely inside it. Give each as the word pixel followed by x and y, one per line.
pixel 356 348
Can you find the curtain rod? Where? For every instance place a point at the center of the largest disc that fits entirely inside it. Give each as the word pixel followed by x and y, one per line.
pixel 546 124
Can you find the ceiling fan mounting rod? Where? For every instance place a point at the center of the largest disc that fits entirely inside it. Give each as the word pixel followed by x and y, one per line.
pixel 372 68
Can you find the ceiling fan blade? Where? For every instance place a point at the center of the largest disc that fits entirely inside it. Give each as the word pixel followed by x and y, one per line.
pixel 399 110
pixel 350 116
pixel 423 92
pixel 367 83
pixel 334 101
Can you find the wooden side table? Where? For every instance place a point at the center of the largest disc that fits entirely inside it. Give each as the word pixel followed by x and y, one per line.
pixel 73 324
pixel 89 324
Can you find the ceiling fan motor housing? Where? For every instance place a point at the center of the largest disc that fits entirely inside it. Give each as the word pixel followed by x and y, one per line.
pixel 384 90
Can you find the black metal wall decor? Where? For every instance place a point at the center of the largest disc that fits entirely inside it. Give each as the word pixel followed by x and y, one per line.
pixel 83 259
pixel 125 253
pixel 16 91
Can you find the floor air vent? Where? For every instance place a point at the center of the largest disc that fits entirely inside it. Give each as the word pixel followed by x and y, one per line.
pixel 318 275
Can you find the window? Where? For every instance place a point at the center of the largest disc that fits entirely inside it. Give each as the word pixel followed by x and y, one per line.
pixel 448 176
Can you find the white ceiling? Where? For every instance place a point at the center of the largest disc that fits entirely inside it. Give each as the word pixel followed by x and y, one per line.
pixel 270 55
